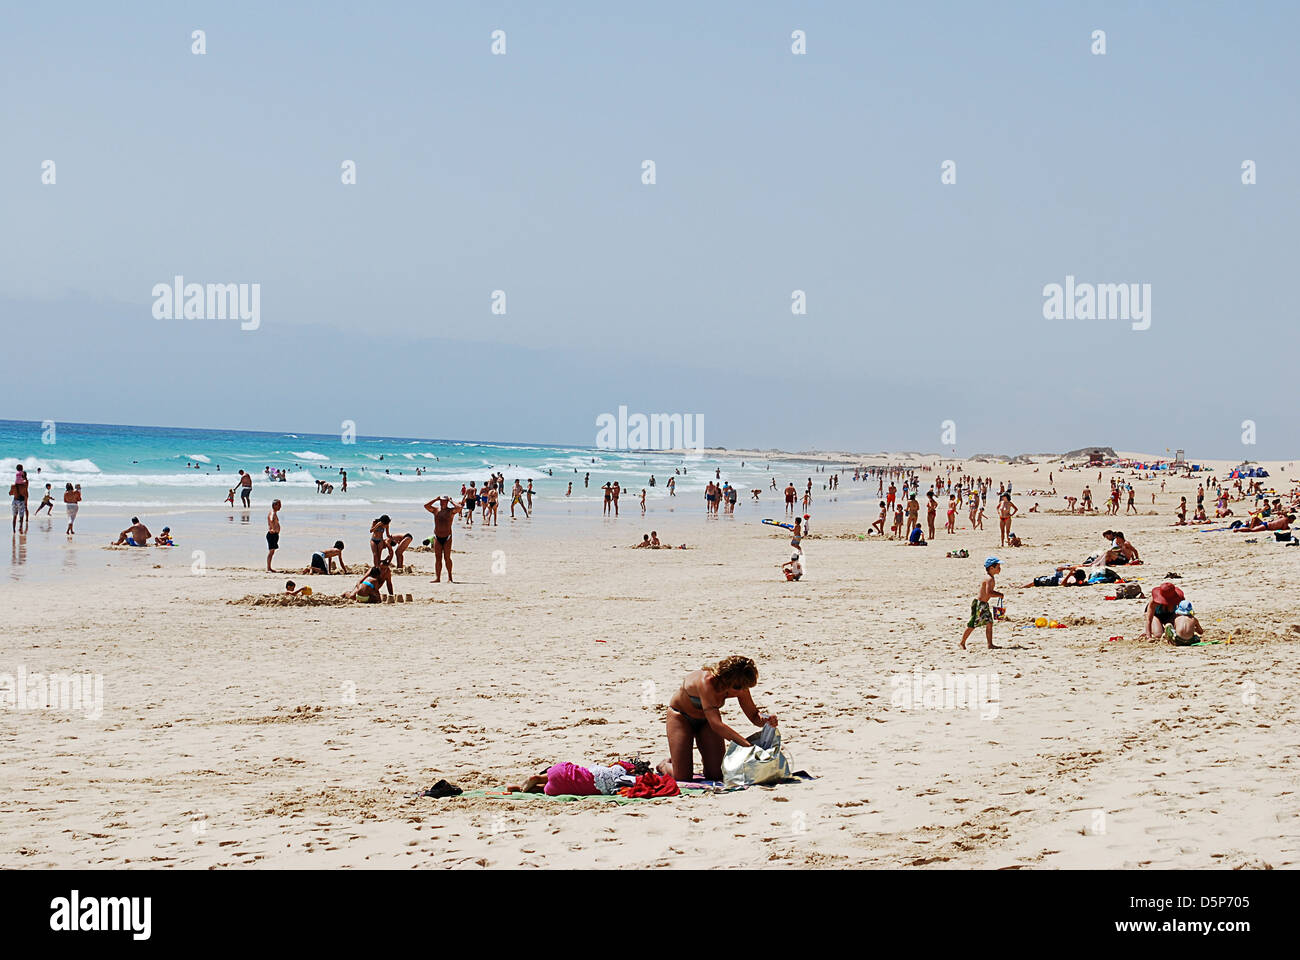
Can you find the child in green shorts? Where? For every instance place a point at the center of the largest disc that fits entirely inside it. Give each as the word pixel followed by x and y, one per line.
pixel 980 613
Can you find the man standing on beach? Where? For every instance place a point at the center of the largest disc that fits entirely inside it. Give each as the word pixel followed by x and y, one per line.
pixel 443 514
pixel 245 488
pixel 272 532
pixel 517 499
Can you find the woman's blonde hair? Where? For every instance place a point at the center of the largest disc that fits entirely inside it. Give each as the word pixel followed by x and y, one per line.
pixel 734 673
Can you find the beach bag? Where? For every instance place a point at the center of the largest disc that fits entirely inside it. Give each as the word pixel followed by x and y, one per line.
pixel 1128 591
pixel 761 762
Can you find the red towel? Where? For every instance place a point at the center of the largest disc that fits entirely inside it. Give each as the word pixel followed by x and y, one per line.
pixel 652 785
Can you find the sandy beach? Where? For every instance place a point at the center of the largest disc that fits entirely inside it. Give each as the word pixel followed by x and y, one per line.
pixel 236 735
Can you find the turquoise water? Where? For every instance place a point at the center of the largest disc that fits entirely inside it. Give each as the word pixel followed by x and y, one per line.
pixel 150 468
pixel 180 477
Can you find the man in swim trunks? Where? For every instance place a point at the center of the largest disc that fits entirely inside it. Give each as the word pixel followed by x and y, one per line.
pixel 444 512
pixel 272 533
pixel 136 535
pixel 245 488
pixel 790 494
pixel 517 499
pixel 471 499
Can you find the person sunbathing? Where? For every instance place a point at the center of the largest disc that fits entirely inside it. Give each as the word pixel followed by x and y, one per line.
pixel 644 544
pixel 1258 523
pixel 571 780
pixel 1067 575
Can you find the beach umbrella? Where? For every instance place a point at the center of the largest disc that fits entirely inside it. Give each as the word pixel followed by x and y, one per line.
pixel 1167 595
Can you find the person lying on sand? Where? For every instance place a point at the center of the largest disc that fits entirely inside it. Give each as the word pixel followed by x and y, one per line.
pixel 571 780
pixel 295 591
pixel 694 718
pixel 367 588
pixel 1067 575
pixel 1258 523
pixel 136 535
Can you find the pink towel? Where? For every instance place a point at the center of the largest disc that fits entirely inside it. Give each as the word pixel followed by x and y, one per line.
pixel 569 779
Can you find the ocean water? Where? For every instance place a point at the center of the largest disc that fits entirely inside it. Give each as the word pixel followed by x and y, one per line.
pixel 153 468
pixel 180 478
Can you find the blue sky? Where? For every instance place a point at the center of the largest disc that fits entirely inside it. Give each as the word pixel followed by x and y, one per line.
pixel 775 172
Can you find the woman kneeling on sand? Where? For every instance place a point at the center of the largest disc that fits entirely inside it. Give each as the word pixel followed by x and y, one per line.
pixel 694 718
pixel 367 588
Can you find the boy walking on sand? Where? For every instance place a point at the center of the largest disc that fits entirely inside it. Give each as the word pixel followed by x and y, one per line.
pixel 980 613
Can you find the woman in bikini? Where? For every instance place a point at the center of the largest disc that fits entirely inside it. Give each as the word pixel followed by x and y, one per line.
pixel 379 537
pixel 694 718
pixel 367 588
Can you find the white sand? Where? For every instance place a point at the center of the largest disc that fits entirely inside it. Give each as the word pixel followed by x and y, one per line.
pixel 1102 754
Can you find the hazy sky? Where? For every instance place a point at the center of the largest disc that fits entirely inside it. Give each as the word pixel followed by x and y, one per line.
pixel 775 172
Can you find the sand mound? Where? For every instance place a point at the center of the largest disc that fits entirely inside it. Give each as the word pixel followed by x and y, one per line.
pixel 287 600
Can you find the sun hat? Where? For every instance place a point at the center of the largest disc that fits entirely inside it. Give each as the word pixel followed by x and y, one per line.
pixel 1167 595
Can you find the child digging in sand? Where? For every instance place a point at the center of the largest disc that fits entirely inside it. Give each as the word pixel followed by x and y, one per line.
pixel 980 613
